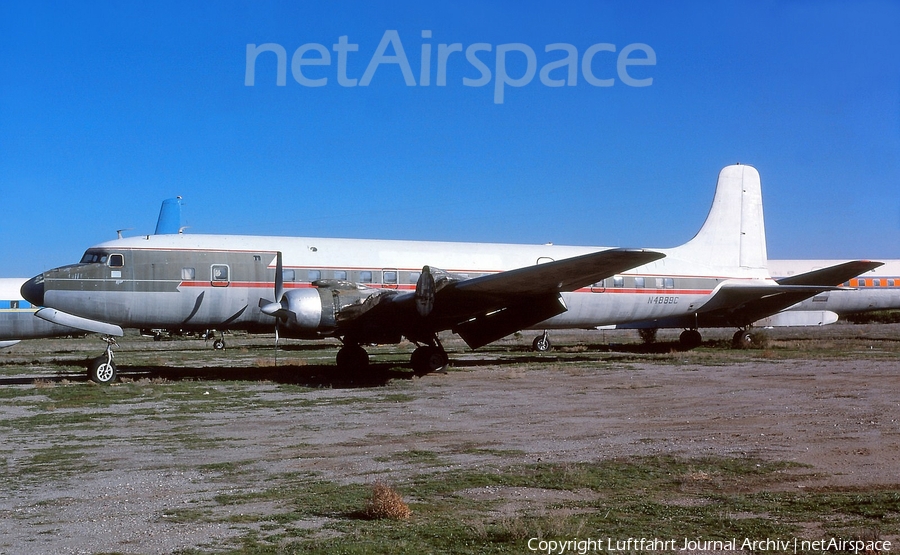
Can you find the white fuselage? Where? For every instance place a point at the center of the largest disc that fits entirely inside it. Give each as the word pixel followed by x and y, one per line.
pixel 216 281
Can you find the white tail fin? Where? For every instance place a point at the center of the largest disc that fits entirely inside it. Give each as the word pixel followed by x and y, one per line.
pixel 733 235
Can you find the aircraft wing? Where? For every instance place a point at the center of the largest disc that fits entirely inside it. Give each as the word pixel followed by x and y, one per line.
pixel 467 298
pixel 484 309
pixel 832 275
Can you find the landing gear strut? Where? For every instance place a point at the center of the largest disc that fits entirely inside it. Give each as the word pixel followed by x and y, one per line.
pixel 542 343
pixel 102 369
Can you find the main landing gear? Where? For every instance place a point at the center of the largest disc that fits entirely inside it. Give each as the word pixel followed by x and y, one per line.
pixel 690 339
pixel 353 359
pixel 102 369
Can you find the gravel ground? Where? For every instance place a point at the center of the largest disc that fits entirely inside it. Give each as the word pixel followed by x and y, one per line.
pixel 122 476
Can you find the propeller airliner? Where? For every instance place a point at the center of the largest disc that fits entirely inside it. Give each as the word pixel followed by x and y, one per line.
pixel 365 291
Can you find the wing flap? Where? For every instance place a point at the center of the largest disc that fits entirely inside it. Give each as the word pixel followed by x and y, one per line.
pixel 478 332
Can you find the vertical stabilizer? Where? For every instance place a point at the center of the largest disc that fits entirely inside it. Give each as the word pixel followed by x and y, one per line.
pixel 733 235
pixel 169 221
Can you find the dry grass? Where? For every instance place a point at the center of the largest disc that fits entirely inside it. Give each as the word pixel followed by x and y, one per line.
pixel 386 503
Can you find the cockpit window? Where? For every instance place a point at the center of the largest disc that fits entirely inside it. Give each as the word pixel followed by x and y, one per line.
pixel 94 257
pixel 116 261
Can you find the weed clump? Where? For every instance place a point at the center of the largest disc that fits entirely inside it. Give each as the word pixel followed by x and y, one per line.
pixel 386 503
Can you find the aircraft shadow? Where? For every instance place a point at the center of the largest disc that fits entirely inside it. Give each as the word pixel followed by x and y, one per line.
pixel 377 374
pixel 315 376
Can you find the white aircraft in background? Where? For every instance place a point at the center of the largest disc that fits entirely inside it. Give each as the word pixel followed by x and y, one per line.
pixel 378 292
pixel 17 320
pixel 876 289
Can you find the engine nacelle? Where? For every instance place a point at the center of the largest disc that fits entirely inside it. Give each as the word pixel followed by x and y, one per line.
pixel 317 312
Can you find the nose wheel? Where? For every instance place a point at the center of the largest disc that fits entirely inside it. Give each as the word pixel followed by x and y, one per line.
pixel 102 369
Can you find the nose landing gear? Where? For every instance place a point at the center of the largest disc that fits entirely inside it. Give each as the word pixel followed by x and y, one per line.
pixel 102 369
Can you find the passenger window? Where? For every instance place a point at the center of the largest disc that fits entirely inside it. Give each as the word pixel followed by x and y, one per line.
pixel 890 283
pixel 390 277
pixel 288 275
pixel 670 283
pixel 188 274
pixel 219 272
pixel 340 274
pixel 618 281
pixel 659 283
pixel 315 275
pixel 639 283
pixel 365 276
pixel 414 277
pixel 876 283
pixel 14 304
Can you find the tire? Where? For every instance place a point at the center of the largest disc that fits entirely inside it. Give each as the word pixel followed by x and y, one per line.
pixel 541 344
pixel 102 370
pixel 352 359
pixel 742 339
pixel 690 339
pixel 219 344
pixel 426 360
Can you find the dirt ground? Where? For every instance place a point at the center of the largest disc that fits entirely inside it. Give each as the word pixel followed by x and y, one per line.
pixel 135 464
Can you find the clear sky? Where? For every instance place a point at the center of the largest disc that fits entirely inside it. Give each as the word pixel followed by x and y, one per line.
pixel 107 108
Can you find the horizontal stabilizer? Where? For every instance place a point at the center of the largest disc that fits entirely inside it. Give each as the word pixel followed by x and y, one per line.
pixel 77 322
pixel 832 275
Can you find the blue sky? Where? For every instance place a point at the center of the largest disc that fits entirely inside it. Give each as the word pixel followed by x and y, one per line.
pixel 107 108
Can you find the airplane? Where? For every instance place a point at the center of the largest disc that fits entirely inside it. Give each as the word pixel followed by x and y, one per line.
pixel 873 290
pixel 17 320
pixel 365 291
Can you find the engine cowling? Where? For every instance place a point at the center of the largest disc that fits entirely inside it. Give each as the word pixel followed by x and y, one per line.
pixel 319 311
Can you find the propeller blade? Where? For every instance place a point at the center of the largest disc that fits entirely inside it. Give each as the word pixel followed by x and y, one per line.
pixel 279 277
pixel 425 292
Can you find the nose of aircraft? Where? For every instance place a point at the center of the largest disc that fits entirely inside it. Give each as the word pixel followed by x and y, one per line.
pixel 33 290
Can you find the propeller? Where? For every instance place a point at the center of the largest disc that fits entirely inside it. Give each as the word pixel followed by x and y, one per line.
pixel 277 308
pixel 425 292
